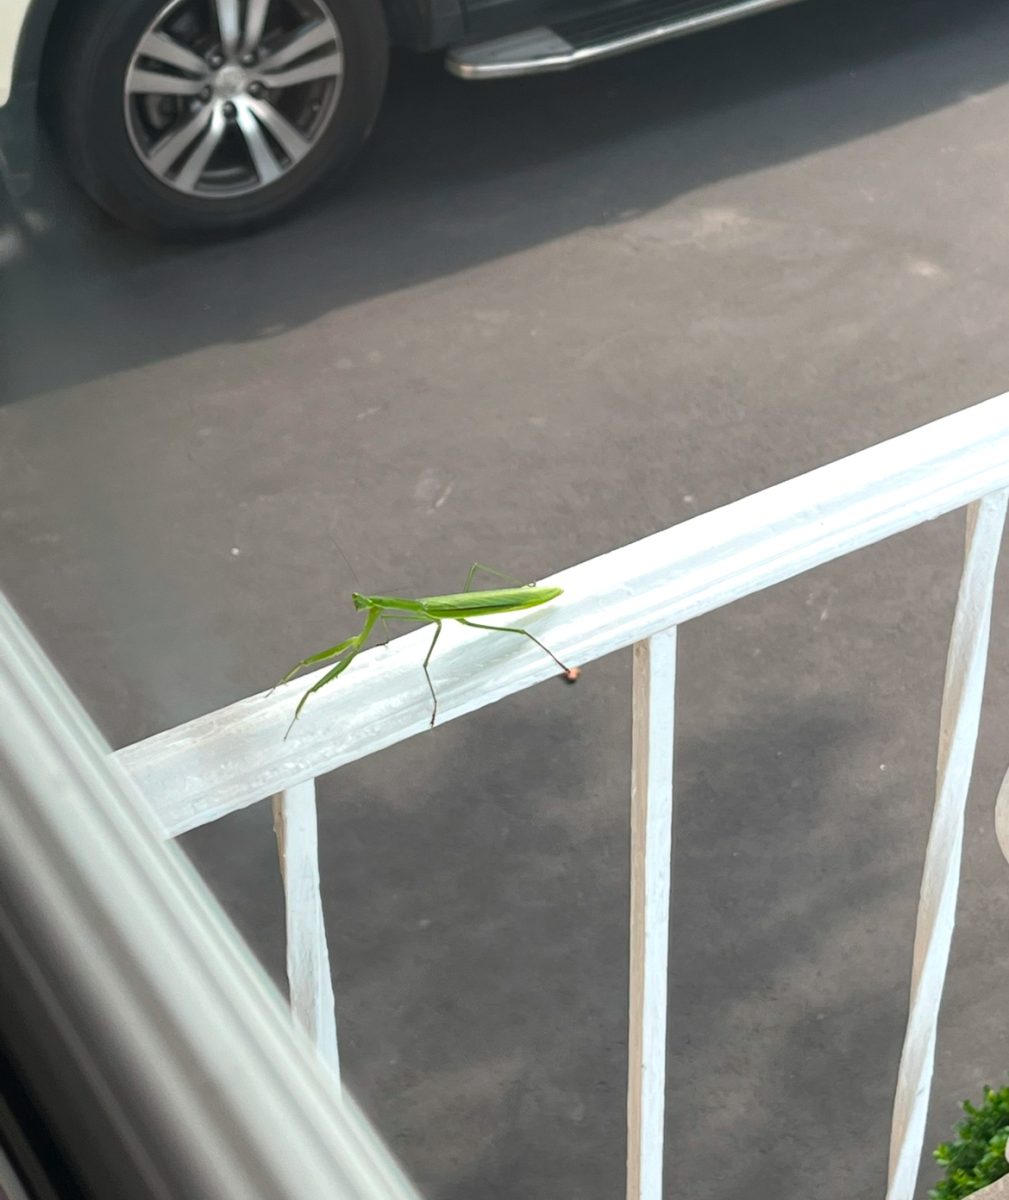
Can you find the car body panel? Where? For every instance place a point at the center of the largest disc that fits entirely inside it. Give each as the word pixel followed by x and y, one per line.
pixel 13 19
pixel 23 28
pixel 469 28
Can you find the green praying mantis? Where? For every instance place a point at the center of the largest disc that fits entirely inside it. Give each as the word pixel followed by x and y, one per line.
pixel 458 606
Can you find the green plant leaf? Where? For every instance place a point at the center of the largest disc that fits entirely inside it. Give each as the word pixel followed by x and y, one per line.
pixel 975 1156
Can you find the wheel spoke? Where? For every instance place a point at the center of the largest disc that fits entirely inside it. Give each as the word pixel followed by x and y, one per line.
pixel 171 147
pixel 190 174
pixel 166 49
pixel 228 25
pixel 260 150
pixel 298 45
pixel 282 129
pixel 156 83
pixel 255 19
pixel 318 68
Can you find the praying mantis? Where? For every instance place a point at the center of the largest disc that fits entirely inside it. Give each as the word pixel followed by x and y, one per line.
pixel 457 606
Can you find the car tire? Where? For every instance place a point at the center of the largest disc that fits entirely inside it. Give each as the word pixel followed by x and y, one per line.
pixel 114 128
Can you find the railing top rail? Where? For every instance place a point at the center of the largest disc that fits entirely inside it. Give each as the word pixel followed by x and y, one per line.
pixel 235 756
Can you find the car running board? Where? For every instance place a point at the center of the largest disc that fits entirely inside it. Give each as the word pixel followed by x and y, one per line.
pixel 601 34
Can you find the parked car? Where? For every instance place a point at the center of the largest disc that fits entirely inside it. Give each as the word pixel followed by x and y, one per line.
pixel 209 116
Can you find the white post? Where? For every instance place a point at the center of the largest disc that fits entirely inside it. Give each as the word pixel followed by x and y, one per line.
pixel 308 971
pixel 651 861
pixel 961 712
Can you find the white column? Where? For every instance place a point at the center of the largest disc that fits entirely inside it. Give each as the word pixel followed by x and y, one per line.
pixel 651 860
pixel 961 712
pixel 308 970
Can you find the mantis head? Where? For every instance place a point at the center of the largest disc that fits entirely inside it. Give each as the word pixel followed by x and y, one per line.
pixel 360 602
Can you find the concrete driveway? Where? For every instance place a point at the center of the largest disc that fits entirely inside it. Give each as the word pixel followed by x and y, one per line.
pixel 551 316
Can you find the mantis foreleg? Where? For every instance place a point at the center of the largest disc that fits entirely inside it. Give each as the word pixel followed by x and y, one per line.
pixel 327 678
pixel 351 648
pixel 314 660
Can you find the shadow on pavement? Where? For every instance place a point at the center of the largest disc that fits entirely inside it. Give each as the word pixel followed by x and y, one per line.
pixel 482 997
pixel 463 173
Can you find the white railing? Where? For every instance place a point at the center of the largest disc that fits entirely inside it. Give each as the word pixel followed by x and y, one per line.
pixel 635 596
pixel 179 1073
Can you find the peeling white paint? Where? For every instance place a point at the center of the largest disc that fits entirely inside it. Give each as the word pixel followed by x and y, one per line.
pixel 309 974
pixel 961 712
pixel 653 703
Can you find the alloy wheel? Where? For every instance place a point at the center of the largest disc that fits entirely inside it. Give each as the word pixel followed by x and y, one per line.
pixel 224 98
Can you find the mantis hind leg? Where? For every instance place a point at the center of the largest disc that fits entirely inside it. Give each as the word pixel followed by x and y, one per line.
pixel 568 671
pixel 427 673
pixel 490 571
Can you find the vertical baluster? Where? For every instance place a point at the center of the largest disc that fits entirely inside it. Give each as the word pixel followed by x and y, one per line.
pixel 651 853
pixel 961 711
pixel 308 970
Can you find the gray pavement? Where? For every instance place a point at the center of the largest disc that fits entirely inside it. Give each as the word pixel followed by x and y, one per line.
pixel 548 317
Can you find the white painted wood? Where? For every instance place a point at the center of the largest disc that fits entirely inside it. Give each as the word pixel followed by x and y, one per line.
pixel 654 687
pixel 238 755
pixel 961 712
pixel 999 1190
pixel 142 986
pixel 308 969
